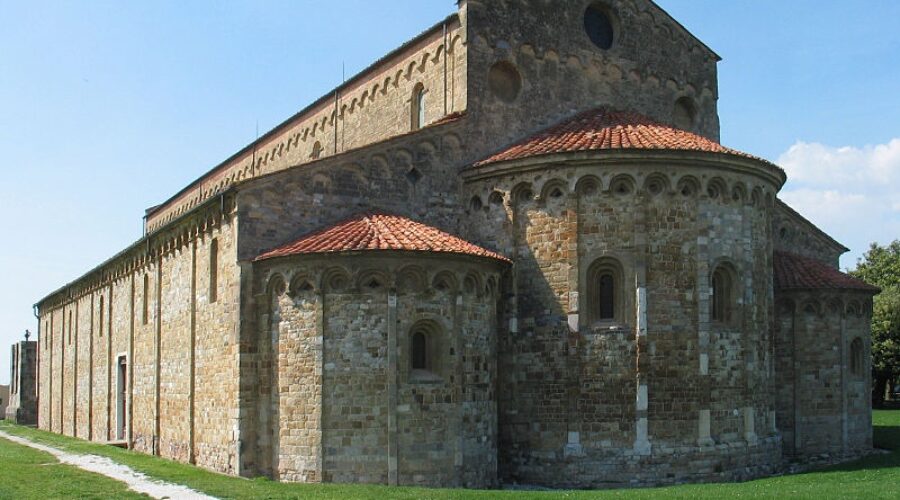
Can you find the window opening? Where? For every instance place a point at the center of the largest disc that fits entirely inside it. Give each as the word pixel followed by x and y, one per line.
pixel 145 307
pixel 417 110
pixel 213 270
pixel 419 352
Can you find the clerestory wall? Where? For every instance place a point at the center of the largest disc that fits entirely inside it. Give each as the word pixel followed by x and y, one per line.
pixel 371 107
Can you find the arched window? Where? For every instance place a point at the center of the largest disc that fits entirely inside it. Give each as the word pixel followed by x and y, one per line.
pixel 100 323
pixel 605 298
pixel 419 351
pixel 425 352
pixel 684 115
pixel 722 295
pixel 316 151
pixel 856 357
pixel 417 107
pixel 213 270
pixel 145 312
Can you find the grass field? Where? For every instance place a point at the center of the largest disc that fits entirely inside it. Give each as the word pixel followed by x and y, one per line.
pixel 29 473
pixel 24 473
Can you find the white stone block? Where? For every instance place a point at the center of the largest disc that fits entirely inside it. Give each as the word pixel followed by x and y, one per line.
pixel 573 322
pixel 641 442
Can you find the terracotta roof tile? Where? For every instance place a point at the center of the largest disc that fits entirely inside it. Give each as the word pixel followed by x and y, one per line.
pixel 795 272
pixel 375 231
pixel 603 129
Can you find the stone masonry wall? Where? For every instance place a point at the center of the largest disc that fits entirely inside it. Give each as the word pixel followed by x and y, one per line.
pixel 824 409
pixel 794 234
pixel 348 407
pixel 20 397
pixel 180 348
pixel 653 62
pixel 414 176
pixel 661 394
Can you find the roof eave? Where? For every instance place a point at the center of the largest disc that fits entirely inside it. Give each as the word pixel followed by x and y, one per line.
pixel 729 161
pixel 390 252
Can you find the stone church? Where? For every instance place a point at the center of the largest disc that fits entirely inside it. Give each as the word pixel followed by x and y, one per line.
pixel 510 251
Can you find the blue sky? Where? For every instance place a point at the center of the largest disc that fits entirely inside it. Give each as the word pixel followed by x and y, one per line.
pixel 109 107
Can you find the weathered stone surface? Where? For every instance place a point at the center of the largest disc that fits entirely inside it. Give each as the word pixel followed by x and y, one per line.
pixel 300 368
pixel 20 398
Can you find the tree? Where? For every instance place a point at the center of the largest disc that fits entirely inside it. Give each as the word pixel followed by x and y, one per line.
pixel 880 266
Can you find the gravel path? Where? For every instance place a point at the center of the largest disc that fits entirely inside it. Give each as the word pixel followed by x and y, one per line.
pixel 102 465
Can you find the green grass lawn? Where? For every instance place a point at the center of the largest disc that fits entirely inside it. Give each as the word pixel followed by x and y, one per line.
pixel 29 473
pixel 877 476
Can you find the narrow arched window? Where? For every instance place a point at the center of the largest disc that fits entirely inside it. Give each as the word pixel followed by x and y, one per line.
pixel 419 352
pixel 605 297
pixel 722 303
pixel 856 357
pixel 213 271
pixel 425 352
pixel 316 151
pixel 100 322
pixel 145 306
pixel 417 107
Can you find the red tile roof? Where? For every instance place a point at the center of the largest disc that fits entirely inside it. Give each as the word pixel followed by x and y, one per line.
pixel 603 129
pixel 375 231
pixel 793 272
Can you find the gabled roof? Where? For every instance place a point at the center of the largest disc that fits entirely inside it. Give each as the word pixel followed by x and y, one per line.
pixel 376 231
pixel 604 129
pixel 795 272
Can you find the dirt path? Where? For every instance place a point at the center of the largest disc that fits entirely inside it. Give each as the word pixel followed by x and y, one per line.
pixel 102 465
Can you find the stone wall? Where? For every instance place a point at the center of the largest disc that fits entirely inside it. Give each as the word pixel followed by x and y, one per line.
pixel 414 176
pixel 348 406
pixel 662 393
pixel 794 234
pixel 652 63
pixel 20 397
pixel 151 306
pixel 824 408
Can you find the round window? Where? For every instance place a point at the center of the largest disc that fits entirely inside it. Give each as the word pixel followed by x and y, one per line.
pixel 599 26
pixel 504 81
